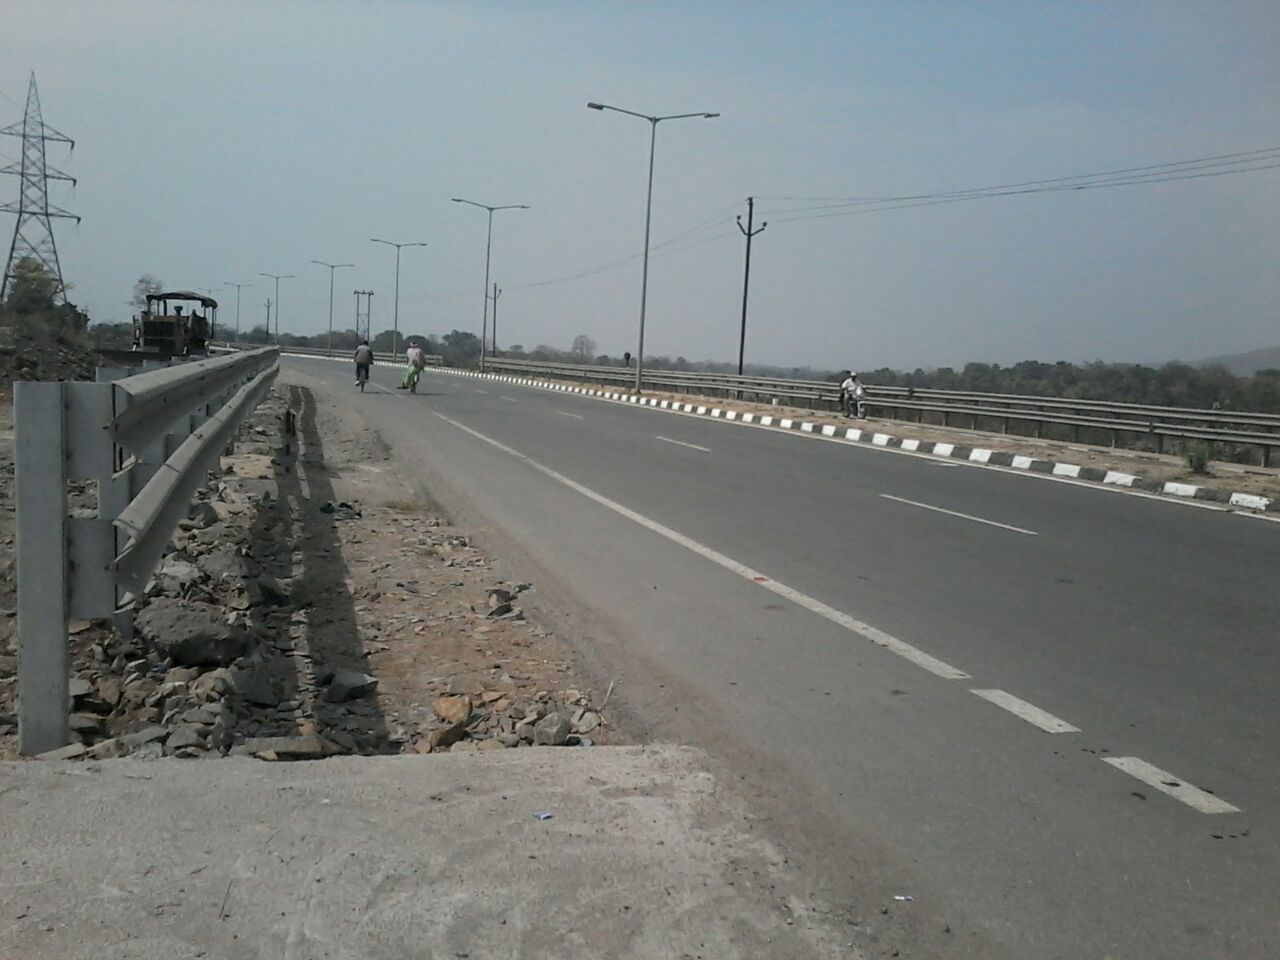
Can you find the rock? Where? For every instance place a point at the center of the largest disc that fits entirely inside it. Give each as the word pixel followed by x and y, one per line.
pixel 498 596
pixel 452 709
pixel 184 736
pixel 105 750
pixel 149 734
pixel 211 535
pixel 212 685
pixel 349 685
pixel 486 745
pixel 223 564
pixel 445 736
pixel 79 687
pixel 202 716
pixel 72 751
pixel 84 723
pixel 271 591
pixel 189 633
pixel 255 687
pixel 551 731
pixel 203 515
pixel 283 748
pixel 108 689
pixel 584 721
pixel 181 675
pixel 508 739
pixel 577 741
pixel 501 610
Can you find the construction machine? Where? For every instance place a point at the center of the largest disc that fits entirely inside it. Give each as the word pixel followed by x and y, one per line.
pixel 175 324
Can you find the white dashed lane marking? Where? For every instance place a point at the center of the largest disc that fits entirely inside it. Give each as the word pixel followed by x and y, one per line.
pixel 1175 787
pixel 1028 712
pixel 841 619
pixel 962 516
pixel 509 399
pixel 576 416
pixel 691 446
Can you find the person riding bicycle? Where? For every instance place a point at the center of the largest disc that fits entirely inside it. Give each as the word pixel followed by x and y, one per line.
pixel 364 360
pixel 851 394
pixel 417 360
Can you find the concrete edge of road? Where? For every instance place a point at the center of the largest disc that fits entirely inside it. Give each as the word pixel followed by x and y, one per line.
pixel 970 454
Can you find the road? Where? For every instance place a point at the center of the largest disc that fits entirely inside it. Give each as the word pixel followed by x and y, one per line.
pixel 1051 709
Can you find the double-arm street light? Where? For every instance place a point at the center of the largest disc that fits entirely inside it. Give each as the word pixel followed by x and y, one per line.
pixel 238 286
pixel 648 208
pixel 395 336
pixel 488 246
pixel 277 277
pixel 332 267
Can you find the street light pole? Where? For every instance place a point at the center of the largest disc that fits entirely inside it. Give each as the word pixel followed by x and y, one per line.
pixel 332 267
pixel 237 286
pixel 648 211
pixel 395 336
pixel 488 246
pixel 277 277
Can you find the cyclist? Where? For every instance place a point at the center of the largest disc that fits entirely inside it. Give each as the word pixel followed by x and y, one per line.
pixel 417 359
pixel 364 360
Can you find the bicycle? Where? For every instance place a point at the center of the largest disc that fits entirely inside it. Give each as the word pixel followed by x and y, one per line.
pixel 362 375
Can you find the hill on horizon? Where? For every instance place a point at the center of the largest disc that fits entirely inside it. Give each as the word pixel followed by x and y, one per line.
pixel 1245 364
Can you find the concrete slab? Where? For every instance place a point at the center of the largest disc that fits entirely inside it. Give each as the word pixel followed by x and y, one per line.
pixel 644 855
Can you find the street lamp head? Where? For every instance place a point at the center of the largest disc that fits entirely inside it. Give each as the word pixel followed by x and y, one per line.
pixel 709 116
pixel 595 106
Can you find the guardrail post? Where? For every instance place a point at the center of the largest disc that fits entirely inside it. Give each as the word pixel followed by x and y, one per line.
pixel 41 515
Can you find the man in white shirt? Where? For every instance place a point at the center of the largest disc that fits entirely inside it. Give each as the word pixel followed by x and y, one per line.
pixel 851 394
pixel 417 359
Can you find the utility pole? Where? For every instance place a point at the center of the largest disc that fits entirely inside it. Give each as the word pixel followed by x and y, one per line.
pixel 496 294
pixel 238 286
pixel 33 232
pixel 268 305
pixel 746 275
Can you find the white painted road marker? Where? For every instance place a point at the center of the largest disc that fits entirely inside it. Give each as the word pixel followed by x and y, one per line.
pixel 576 416
pixel 509 399
pixel 691 446
pixel 1028 712
pixel 962 516
pixel 878 637
pixel 1175 787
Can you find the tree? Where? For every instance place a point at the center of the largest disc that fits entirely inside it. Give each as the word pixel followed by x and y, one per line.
pixel 583 349
pixel 147 283
pixel 460 348
pixel 33 288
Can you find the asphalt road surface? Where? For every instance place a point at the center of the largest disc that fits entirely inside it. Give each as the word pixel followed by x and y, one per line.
pixel 1050 709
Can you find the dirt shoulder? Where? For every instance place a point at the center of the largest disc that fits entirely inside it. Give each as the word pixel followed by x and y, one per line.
pixel 312 606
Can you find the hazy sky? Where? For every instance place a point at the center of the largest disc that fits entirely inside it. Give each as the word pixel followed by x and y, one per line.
pixel 217 140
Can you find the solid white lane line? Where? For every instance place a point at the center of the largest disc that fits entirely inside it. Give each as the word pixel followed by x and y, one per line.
pixel 509 399
pixel 1028 712
pixel 1175 787
pixel 576 416
pixel 878 637
pixel 691 446
pixel 962 516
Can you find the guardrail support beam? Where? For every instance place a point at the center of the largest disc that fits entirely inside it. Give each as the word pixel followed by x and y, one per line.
pixel 41 528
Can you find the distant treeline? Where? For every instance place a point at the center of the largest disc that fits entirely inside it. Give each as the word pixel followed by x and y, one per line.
pixel 1172 385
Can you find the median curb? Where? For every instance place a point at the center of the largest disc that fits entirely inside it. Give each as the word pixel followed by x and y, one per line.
pixel 954 451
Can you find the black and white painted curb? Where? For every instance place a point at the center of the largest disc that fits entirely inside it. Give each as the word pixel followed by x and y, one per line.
pixel 980 455
pixel 975 455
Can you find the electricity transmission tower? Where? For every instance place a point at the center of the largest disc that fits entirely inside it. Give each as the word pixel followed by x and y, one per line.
pixel 33 233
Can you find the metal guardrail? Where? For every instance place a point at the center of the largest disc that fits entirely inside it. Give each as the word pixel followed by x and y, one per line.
pixel 433 359
pixel 146 442
pixel 1119 420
